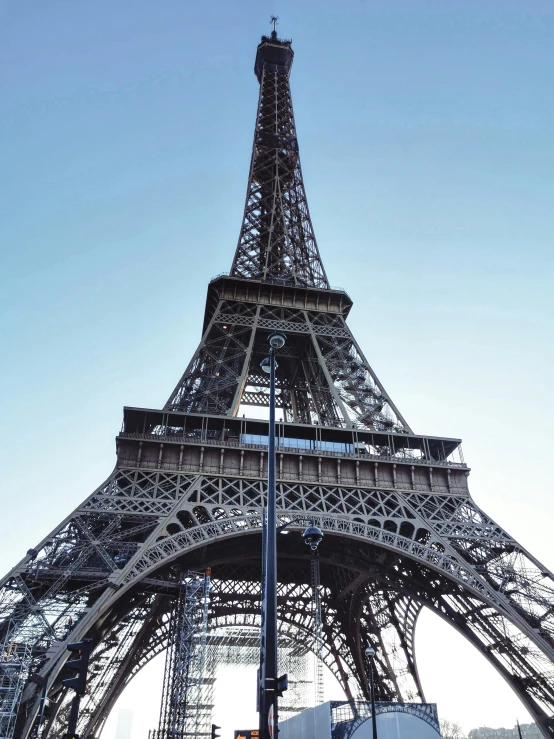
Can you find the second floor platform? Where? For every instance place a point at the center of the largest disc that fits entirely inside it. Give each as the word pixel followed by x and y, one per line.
pixel 225 445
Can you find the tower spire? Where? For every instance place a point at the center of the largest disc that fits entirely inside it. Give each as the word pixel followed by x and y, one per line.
pixel 277 241
pixel 326 379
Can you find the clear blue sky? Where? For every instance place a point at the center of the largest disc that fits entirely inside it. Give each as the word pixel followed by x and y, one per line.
pixel 426 136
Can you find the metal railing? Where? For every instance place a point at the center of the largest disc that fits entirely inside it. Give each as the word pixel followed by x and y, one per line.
pixel 285 475
pixel 197 440
pixel 278 281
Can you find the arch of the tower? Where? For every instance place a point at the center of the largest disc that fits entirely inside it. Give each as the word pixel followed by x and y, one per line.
pixel 240 633
pixel 375 577
pixel 235 605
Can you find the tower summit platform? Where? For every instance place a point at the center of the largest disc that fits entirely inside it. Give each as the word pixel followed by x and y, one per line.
pixel 274 53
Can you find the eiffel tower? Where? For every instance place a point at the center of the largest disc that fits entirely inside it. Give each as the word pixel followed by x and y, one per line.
pixel 401 529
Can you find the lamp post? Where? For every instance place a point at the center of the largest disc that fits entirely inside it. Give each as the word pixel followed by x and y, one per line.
pixel 270 684
pixel 370 654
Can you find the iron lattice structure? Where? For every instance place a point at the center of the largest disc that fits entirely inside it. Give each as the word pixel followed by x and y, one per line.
pixel 197 645
pixel 401 529
pixel 317 632
pixel 186 709
pixel 347 717
pixel 240 645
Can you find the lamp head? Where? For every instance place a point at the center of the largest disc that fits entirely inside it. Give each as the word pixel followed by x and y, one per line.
pixel 265 364
pixel 313 536
pixel 277 340
pixel 369 652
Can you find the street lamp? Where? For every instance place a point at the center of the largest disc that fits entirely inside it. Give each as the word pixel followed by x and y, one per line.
pixel 270 685
pixel 370 654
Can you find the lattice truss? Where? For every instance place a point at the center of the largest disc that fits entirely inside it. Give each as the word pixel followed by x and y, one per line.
pixel 232 637
pixel 347 717
pixel 323 376
pixel 317 631
pixel 277 241
pixel 240 645
pixel 104 572
pixel 108 571
pixel 187 690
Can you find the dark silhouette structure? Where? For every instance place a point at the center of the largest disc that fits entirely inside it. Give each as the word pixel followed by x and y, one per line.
pixel 401 529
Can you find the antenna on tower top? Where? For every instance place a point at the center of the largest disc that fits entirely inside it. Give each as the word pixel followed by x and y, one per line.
pixel 274 19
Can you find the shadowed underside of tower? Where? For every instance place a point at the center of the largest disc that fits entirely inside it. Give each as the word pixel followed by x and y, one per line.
pixel 402 530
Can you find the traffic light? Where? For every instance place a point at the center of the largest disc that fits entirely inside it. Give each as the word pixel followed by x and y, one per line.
pixel 80 664
pixel 282 684
pixel 215 735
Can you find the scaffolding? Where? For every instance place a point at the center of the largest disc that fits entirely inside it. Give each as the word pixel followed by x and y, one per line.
pixel 188 686
pixel 240 646
pixel 15 659
pixel 23 632
pixel 197 648
pixel 318 631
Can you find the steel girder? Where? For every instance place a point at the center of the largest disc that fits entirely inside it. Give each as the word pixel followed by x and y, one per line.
pixel 323 375
pixel 355 713
pixel 277 240
pixel 187 691
pixel 235 604
pixel 386 553
pixel 401 530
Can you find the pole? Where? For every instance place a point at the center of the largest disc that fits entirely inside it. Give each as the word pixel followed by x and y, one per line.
pixel 373 716
pixel 73 717
pixel 40 717
pixel 268 648
pixel 259 698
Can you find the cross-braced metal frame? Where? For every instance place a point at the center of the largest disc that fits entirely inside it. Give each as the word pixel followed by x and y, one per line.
pixel 401 529
pixel 317 631
pixel 347 717
pixel 185 709
pixel 277 241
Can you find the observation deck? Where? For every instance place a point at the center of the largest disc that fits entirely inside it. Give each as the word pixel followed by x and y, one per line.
pixel 274 292
pixel 274 53
pixel 231 446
